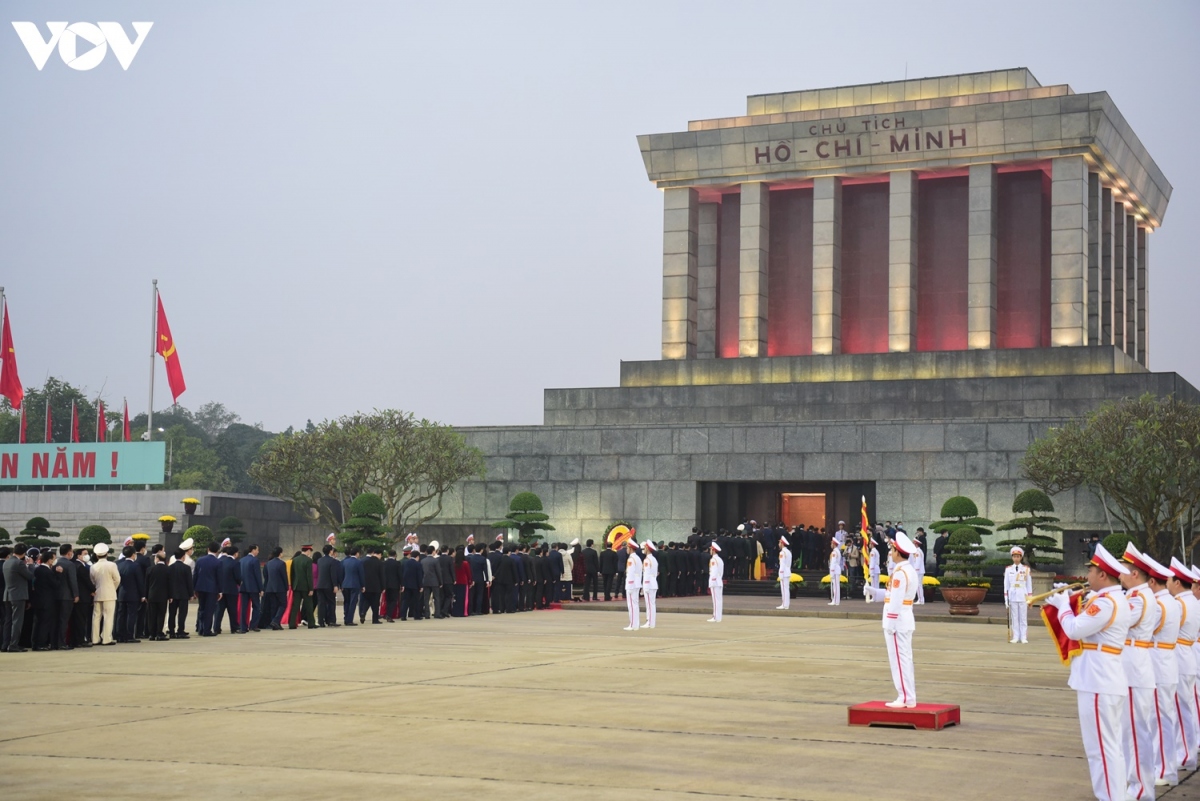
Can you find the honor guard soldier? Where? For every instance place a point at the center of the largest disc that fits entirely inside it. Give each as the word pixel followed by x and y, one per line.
pixel 917 560
pixel 633 582
pixel 785 573
pixel 873 568
pixel 716 577
pixel 898 622
pixel 1097 673
pixel 1142 735
pixel 1180 585
pixel 835 573
pixel 649 582
pixel 1166 676
pixel 1018 585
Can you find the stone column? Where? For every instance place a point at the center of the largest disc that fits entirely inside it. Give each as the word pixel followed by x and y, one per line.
pixel 1131 286
pixel 827 266
pixel 1143 296
pixel 706 297
pixel 1095 199
pixel 1118 280
pixel 981 258
pixel 902 262
pixel 1068 251
pixel 1106 266
pixel 753 264
pixel 681 238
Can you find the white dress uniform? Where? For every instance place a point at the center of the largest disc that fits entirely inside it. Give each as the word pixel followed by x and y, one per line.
pixel 633 585
pixel 1018 586
pixel 716 574
pixel 899 624
pixel 785 577
pixel 1185 692
pixel 1196 656
pixel 917 560
pixel 873 569
pixel 650 588
pixel 1139 674
pixel 1166 679
pixel 835 576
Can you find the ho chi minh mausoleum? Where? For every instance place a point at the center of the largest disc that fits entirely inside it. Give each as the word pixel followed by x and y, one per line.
pixel 885 290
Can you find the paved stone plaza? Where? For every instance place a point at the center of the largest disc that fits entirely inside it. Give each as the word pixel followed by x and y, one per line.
pixel 546 705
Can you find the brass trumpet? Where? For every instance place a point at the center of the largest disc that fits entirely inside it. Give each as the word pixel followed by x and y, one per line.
pixel 1037 599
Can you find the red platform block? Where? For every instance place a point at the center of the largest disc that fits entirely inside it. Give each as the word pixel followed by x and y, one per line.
pixel 922 716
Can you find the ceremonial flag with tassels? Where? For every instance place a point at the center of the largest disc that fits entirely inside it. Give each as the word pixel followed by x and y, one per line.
pixel 866 542
pixel 165 347
pixel 74 423
pixel 1068 649
pixel 10 382
pixel 101 426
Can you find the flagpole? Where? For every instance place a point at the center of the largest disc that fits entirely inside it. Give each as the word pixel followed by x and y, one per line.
pixel 153 353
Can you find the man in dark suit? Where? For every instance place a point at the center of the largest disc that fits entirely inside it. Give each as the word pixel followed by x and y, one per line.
pixel 554 560
pixel 393 580
pixel 144 563
pixel 228 581
pixel 158 594
pixel 608 569
pixel 181 590
pixel 302 589
pixel 505 581
pixel 352 585
pixel 130 596
pixel 478 562
pixel 208 583
pixel 516 600
pixel 431 585
pixel 329 581
pixel 18 581
pixel 445 562
pixel 68 595
pixel 493 557
pixel 45 600
pixel 81 614
pixel 410 580
pixel 5 609
pixel 275 590
pixel 250 591
pixel 373 585
pixel 591 569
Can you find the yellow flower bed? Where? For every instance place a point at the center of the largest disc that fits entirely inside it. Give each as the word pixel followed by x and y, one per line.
pixel 166 519
pixel 930 581
pixel 190 500
pixel 829 578
pixel 795 579
pixel 141 536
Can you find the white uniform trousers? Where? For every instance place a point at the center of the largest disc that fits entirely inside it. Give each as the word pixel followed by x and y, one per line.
pixel 835 587
pixel 102 621
pixel 1185 702
pixel 920 589
pixel 1101 718
pixel 899 648
pixel 1166 750
pixel 717 600
pixel 651 612
pixel 1018 620
pixel 631 602
pixel 785 591
pixel 874 582
pixel 1140 741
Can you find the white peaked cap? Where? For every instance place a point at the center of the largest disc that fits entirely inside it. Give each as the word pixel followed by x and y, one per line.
pixel 1016 549
pixel 647 544
pixel 714 545
pixel 741 526
pixel 574 542
pixel 225 543
pixel 186 545
pixel 784 540
pixel 1181 570
pixel 903 544
pixel 101 548
pixel 329 539
pixel 434 544
pixel 128 541
pixel 1106 562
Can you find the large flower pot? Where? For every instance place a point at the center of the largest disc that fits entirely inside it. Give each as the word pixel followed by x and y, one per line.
pixel 189 508
pixel 167 525
pixel 963 600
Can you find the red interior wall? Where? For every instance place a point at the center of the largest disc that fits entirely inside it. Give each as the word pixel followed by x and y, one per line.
pixel 729 240
pixel 789 280
pixel 865 268
pixel 941 264
pixel 1023 267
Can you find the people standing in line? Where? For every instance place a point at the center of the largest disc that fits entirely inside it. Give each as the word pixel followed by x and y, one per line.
pixel 107 579
pixel 1098 679
pixel 431 585
pixel 785 573
pixel 479 580
pixel 130 596
pixel 208 583
pixel 445 566
pixel 275 590
pixel 372 593
pixel 393 580
pixel 650 581
pixel 1180 586
pixel 835 573
pixel 1166 675
pixel 68 595
pixel 302 588
pixel 182 589
pixel 410 595
pixel 716 581
pixel 325 588
pixel 251 590
pixel 158 595
pixel 633 583
pixel 1141 726
pixel 1018 586
pixel 228 589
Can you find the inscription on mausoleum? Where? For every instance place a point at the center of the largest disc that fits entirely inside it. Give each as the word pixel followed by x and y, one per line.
pixel 860 136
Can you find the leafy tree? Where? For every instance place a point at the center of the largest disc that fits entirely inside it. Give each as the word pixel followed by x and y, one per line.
pixel 1039 548
pixel 1140 458
pixel 365 527
pixel 213 419
pixel 60 394
pixel 194 465
pixel 410 464
pixel 90 535
pixel 237 447
pixel 200 536
pixel 230 527
pixel 526 516
pixel 37 533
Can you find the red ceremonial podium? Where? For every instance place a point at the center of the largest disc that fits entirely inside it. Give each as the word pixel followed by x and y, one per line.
pixel 921 716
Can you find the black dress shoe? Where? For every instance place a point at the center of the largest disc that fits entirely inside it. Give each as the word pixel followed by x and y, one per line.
pixel 108 643
pixel 43 648
pixel 276 627
pixel 350 624
pixel 17 650
pixel 377 622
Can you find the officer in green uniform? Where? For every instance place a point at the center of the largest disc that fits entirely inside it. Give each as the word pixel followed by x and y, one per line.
pixel 302 589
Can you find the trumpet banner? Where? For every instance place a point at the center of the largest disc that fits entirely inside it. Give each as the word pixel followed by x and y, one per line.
pixel 1068 649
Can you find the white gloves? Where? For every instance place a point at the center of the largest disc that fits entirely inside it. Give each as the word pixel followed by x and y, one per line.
pixel 1059 600
pixel 1006 603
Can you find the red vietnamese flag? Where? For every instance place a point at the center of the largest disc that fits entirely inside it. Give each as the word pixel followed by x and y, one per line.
pixel 166 348
pixel 74 423
pixel 101 426
pixel 10 382
pixel 125 424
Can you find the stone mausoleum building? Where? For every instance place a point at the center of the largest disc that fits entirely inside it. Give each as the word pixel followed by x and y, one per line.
pixel 885 290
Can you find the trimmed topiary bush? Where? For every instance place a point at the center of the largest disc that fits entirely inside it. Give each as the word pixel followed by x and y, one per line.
pixel 964 559
pixel 365 527
pixel 230 527
pixel 1039 548
pixel 1115 543
pixel 526 516
pixel 37 533
pixel 90 535
pixel 200 536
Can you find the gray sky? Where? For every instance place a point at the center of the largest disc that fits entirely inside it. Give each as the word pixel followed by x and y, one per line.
pixel 442 207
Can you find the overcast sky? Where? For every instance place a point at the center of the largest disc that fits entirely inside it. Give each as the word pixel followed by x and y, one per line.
pixel 441 207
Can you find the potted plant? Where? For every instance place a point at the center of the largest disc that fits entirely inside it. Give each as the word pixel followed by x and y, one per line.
pixel 963 585
pixel 189 505
pixel 167 522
